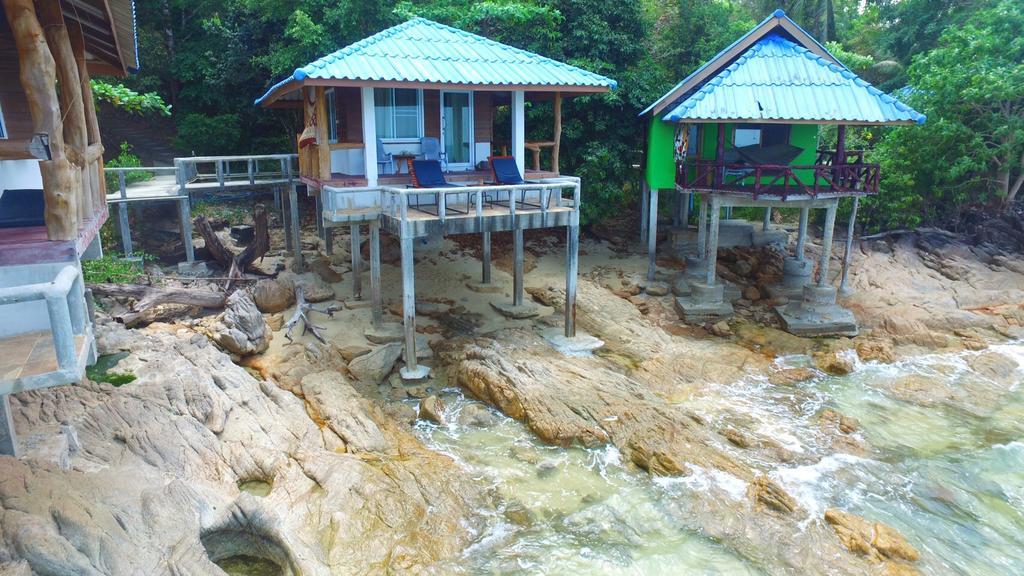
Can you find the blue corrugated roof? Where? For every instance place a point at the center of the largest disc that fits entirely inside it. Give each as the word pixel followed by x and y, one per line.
pixel 778 79
pixel 424 51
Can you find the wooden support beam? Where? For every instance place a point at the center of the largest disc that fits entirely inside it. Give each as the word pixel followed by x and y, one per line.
pixel 14 150
pixel 323 149
pixel 38 78
pixel 556 149
pixel 847 253
pixel 71 104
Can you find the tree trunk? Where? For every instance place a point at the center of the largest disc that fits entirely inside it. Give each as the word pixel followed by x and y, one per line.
pixel 147 297
pixel 236 264
pixel 38 78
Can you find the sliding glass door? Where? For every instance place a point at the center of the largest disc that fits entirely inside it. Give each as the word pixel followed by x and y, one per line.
pixel 457 128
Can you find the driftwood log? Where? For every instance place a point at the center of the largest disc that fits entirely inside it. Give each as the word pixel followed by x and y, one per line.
pixel 302 310
pixel 147 297
pixel 236 263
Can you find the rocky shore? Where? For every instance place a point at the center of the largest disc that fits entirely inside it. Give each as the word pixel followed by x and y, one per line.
pixel 305 456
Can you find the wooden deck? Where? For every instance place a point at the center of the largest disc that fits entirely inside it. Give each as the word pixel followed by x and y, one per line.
pixel 30 245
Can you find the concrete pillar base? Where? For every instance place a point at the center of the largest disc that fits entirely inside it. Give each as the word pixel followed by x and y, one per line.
pixel 418 373
pixel 705 303
pixel 581 344
pixel 817 314
pixel 796 274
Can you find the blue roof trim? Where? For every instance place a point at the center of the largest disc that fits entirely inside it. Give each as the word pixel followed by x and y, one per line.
pixel 779 14
pixel 135 38
pixel 777 79
pixel 420 50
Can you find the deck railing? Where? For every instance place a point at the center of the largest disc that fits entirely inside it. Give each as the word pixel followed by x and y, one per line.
pixel 64 296
pixel 397 202
pixel 780 179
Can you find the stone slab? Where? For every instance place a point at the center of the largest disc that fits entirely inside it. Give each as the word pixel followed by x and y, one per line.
pixel 836 321
pixel 694 312
pixel 521 312
pixel 490 288
pixel 385 333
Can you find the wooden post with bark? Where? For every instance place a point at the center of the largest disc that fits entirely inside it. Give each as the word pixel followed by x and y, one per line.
pixel 38 78
pixel 236 264
pixel 557 147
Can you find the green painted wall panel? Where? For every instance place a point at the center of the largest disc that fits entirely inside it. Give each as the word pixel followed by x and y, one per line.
pixel 661 161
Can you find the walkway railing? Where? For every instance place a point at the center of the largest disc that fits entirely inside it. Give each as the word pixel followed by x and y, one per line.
pixel 266 169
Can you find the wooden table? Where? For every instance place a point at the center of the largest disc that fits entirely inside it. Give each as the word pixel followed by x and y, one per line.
pixel 402 160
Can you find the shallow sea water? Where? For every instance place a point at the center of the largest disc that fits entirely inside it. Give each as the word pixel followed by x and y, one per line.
pixel 949 476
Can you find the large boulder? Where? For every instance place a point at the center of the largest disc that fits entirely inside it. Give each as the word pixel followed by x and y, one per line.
pixel 241 329
pixel 375 366
pixel 273 295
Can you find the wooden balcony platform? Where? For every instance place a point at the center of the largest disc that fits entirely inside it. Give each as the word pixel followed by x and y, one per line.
pixel 469 177
pixel 29 245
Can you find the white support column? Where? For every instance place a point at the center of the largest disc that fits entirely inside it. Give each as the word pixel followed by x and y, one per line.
pixel 652 234
pixel 485 275
pixel 826 243
pixel 411 370
pixel 519 129
pixel 357 262
pixel 293 217
pixel 847 255
pixel 702 228
pixel 8 439
pixel 369 135
pixel 185 213
pixel 712 249
pixel 517 266
pixel 572 251
pixel 644 205
pixel 375 295
pixel 801 234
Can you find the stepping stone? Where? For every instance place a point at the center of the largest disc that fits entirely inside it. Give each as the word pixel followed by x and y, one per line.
pixel 521 312
pixel 385 333
pixel 491 288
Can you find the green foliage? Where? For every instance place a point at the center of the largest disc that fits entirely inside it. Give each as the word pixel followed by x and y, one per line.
pixel 125 159
pixel 113 269
pixel 102 370
pixel 231 215
pixel 203 135
pixel 124 98
pixel 971 86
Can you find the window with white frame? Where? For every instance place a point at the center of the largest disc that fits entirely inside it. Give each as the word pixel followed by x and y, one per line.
pixel 332 116
pixel 398 113
pixel 3 126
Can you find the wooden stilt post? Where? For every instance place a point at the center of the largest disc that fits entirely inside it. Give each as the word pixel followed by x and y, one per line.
pixel 357 262
pixel 801 234
pixel 572 255
pixel 320 228
pixel 8 438
pixel 517 268
pixel 293 209
pixel 38 77
pixel 375 294
pixel 652 234
pixel 712 258
pixel 485 273
pixel 286 221
pixel 847 254
pixel 92 126
pixel 557 147
pixel 767 219
pixel 826 243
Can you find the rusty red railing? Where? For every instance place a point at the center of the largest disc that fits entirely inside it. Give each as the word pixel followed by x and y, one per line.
pixel 780 179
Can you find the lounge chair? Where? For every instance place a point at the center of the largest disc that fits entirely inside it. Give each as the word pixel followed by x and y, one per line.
pixel 428 174
pixel 430 149
pixel 385 161
pixel 506 173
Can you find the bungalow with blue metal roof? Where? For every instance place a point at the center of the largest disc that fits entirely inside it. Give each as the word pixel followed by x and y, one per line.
pixel 743 130
pixel 381 112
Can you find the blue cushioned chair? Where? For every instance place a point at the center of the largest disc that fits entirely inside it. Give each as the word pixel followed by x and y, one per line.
pixel 506 172
pixel 428 174
pixel 22 208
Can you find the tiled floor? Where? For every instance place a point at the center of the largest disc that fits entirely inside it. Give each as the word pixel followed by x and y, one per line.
pixel 29 354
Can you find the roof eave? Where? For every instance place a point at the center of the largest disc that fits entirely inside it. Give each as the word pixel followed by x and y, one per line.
pixel 778 19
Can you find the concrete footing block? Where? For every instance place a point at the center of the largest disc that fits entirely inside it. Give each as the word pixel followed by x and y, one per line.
pixel 705 303
pixel 419 373
pixel 582 344
pixel 817 314
pixel 196 268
